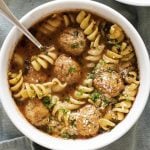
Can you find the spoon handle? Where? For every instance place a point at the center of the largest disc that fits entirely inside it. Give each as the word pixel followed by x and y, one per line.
pixel 8 14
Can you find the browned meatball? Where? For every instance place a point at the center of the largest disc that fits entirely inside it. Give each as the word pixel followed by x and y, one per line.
pixel 67 70
pixel 36 113
pixel 87 121
pixel 34 76
pixel 109 83
pixel 72 40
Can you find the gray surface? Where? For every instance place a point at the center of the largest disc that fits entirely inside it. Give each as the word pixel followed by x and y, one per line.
pixel 138 138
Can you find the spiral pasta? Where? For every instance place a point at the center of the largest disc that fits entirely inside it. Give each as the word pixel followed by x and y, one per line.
pixel 22 90
pixel 54 22
pixel 16 84
pixel 113 115
pixel 68 19
pixel 44 59
pixel 41 90
pixel 90 27
pixel 127 52
pixel 129 92
pixel 128 95
pixel 93 55
pixel 131 77
pixel 83 91
pixel 50 25
pixel 106 124
pixel 111 56
pixel 61 109
pixel 116 34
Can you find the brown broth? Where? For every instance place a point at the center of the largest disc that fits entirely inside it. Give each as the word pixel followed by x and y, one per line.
pixel 26 49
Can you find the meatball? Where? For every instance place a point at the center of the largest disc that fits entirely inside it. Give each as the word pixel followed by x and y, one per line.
pixel 109 83
pixel 72 40
pixel 36 113
pixel 87 122
pixel 67 70
pixel 34 76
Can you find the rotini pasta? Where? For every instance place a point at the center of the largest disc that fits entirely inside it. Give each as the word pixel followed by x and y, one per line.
pixel 50 25
pixel 68 19
pixel 54 22
pixel 83 91
pixel 132 78
pixel 16 84
pixel 94 55
pixel 111 56
pixel 22 90
pixel 129 92
pixel 44 59
pixel 89 26
pixel 116 34
pixel 126 52
pixel 106 124
pixel 61 109
pixel 128 95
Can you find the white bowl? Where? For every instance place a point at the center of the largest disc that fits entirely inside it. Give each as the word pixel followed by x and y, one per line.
pixel 136 2
pixel 103 139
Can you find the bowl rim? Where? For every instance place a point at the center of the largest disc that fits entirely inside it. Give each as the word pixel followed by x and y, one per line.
pixel 26 128
pixel 135 3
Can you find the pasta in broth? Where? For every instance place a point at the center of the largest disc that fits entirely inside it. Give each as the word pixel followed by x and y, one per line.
pixel 84 84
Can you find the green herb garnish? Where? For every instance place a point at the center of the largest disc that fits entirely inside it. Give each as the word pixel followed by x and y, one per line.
pixel 63 110
pixel 117 46
pixel 79 93
pixel 106 101
pixel 47 102
pixel 90 76
pixel 95 96
pixel 102 62
pixel 65 135
pixel 72 69
pixel 50 129
pixel 74 45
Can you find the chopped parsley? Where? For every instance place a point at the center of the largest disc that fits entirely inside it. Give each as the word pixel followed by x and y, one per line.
pixel 65 135
pixel 117 46
pixel 90 76
pixel 47 102
pixel 74 45
pixel 50 129
pixel 95 96
pixel 63 110
pixel 79 93
pixel 102 62
pixel 106 101
pixel 72 69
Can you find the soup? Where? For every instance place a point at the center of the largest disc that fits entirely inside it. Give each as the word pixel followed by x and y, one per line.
pixel 83 84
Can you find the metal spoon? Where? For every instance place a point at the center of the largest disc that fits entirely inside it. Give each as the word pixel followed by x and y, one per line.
pixel 5 11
